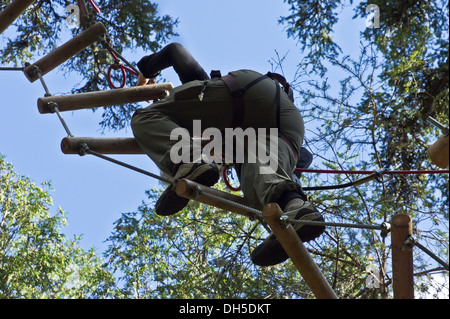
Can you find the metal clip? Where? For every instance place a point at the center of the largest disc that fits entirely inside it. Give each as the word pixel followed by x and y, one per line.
pixel 284 222
pixel 83 150
pixel 379 176
pixel 385 229
pixel 202 93
pixel 53 106
pixel 410 242
pixel 197 191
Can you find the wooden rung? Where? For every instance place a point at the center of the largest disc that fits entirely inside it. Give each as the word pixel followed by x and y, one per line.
pixel 79 101
pixel 12 12
pixel 439 152
pixel 122 145
pixel 65 51
pixel 188 189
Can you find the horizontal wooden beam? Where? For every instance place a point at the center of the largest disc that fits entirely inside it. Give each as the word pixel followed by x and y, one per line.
pixel 189 189
pixel 79 101
pixel 12 12
pixel 65 51
pixel 106 145
pixel 439 152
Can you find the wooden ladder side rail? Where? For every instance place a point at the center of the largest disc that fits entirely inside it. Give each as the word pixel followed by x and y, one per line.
pixel 298 253
pixel 102 145
pixel 192 190
pixel 272 214
pixel 65 51
pixel 87 100
pixel 12 12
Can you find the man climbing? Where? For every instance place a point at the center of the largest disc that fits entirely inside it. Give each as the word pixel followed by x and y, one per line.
pixel 243 99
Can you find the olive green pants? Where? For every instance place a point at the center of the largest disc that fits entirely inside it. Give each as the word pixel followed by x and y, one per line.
pixel 152 127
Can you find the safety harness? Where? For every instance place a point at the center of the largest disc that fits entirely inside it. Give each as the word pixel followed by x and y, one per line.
pixel 237 93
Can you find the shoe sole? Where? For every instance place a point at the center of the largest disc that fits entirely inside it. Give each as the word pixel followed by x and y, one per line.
pixel 170 203
pixel 204 175
pixel 271 252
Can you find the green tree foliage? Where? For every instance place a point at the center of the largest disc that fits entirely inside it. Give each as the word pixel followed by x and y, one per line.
pixel 36 259
pixel 374 117
pixel 131 25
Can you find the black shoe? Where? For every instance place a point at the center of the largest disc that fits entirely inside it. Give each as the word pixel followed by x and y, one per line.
pixel 270 252
pixel 169 202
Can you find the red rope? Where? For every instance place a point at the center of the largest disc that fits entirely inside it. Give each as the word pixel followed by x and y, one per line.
pixel 405 172
pixel 122 67
pixel 328 171
pixel 227 182
pixel 96 8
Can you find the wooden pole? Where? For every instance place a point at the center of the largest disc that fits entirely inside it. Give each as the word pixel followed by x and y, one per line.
pixel 189 189
pixel 122 145
pixel 439 152
pixel 12 12
pixel 65 51
pixel 402 257
pixel 297 252
pixel 79 101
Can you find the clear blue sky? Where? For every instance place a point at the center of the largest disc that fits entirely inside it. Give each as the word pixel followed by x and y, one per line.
pixel 225 35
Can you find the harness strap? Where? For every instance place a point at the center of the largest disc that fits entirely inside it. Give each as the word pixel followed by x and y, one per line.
pixel 237 93
pixel 237 97
pixel 278 99
pixel 281 79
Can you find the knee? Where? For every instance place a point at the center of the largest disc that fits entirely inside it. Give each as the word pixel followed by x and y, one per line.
pixel 176 52
pixel 175 47
pixel 143 119
pixel 137 122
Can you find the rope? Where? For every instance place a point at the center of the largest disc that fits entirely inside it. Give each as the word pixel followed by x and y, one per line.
pixel 318 188
pixel 96 8
pixel 401 172
pixel 432 255
pixel 225 173
pixel 377 175
pixel 257 213
pixel 11 68
pixel 252 210
pixel 383 226
pixel 84 149
pixel 411 242
pixel 118 65
pixel 53 105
